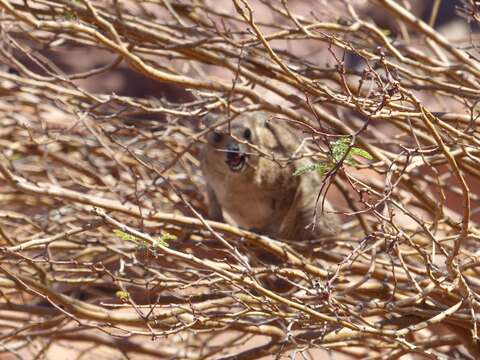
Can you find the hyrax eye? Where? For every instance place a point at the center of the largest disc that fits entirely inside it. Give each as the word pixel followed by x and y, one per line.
pixel 216 137
pixel 247 134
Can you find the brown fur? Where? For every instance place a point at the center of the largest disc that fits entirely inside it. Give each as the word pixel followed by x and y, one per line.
pixel 264 196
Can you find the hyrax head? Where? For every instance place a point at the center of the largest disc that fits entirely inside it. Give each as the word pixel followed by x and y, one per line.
pixel 229 148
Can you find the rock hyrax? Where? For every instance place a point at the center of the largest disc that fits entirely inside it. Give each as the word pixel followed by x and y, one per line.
pixel 256 192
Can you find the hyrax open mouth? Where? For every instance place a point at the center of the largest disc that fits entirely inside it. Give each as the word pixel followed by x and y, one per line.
pixel 235 158
pixel 236 161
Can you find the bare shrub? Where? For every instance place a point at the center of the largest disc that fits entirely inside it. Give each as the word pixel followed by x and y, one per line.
pixel 105 245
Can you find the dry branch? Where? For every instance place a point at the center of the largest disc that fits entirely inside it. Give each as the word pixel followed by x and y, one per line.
pixel 104 239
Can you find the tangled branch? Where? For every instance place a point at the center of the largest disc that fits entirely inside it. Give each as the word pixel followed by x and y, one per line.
pixel 105 244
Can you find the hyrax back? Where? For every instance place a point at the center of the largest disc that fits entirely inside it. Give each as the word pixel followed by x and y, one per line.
pixel 249 179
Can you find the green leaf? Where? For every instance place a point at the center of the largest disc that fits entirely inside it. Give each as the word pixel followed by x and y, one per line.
pixel 165 239
pixel 124 236
pixel 349 160
pixel 168 237
pixel 362 153
pixel 321 168
pixel 340 147
pixel 122 295
pixel 14 156
pixel 70 15
pixel 141 244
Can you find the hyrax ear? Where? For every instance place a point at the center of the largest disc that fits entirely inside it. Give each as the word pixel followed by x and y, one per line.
pixel 286 139
pixel 210 119
pixel 217 120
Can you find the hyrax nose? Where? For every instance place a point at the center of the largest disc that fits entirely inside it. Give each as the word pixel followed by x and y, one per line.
pixel 232 150
pixel 233 147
